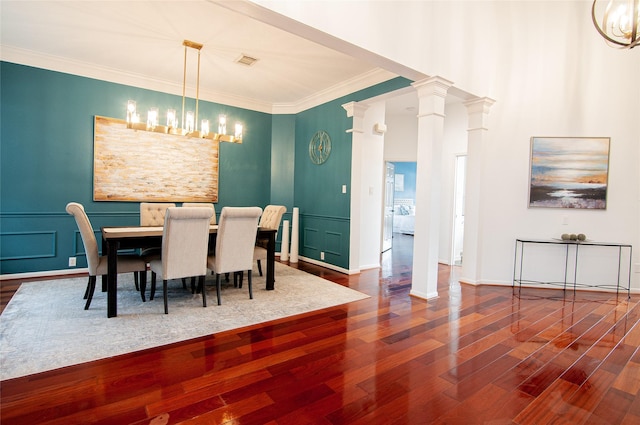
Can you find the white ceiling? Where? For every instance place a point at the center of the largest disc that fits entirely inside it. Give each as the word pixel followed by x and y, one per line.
pixel 140 43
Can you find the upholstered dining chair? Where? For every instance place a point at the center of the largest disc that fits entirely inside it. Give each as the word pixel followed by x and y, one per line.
pixel 185 241
pixel 270 219
pixel 203 204
pixel 96 263
pixel 237 229
pixel 152 213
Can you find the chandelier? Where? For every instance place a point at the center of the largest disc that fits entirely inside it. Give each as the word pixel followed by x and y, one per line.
pixel 189 119
pixel 617 21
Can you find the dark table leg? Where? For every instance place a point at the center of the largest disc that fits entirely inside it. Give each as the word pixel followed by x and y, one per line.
pixel 103 251
pixel 112 279
pixel 271 261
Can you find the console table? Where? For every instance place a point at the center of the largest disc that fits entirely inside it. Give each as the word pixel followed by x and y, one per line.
pixel 573 247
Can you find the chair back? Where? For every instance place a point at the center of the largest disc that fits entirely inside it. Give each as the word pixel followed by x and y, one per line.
pixel 88 237
pixel 237 230
pixel 185 242
pixel 152 213
pixel 202 204
pixel 272 216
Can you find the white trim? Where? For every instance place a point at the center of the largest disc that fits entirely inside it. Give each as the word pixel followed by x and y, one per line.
pixel 46 273
pixel 423 295
pixel 83 69
pixel 329 266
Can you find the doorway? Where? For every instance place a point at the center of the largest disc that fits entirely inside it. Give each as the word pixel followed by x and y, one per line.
pixel 387 229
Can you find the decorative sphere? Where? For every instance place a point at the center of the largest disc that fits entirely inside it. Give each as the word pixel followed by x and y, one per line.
pixel 573 237
pixel 565 237
pixel 582 237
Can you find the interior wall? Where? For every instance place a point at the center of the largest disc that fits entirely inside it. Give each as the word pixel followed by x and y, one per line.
pixel 408 170
pixel 326 216
pixel 550 73
pixel 401 138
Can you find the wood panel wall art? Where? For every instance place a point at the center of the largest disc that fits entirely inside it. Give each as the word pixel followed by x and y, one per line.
pixel 138 165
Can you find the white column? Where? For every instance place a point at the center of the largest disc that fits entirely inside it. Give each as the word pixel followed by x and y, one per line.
pixel 431 97
pixel 284 246
pixel 355 111
pixel 478 110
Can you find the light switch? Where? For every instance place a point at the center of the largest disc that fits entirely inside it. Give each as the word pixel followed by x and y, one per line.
pixel 344 188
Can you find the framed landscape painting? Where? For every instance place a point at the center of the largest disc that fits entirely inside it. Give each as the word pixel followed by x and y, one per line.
pixel 569 172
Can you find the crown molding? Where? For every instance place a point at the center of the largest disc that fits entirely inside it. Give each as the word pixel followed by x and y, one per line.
pixel 83 69
pixel 360 82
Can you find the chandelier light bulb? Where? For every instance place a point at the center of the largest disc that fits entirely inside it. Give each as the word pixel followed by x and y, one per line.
pixel 152 118
pixel 131 111
pixel 222 124
pixel 171 118
pixel 189 122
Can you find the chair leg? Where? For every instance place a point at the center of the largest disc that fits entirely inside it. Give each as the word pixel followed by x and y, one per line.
pixel 238 277
pixel 184 283
pixel 250 286
pixel 91 288
pixel 135 280
pixel 86 291
pixel 165 293
pixel 217 287
pixel 193 284
pixel 153 285
pixel 204 293
pixel 143 285
pixel 259 267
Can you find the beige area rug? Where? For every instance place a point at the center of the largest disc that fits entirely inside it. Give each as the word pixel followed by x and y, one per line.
pixel 45 326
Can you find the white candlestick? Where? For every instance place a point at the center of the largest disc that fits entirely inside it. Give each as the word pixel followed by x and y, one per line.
pixel 294 235
pixel 284 247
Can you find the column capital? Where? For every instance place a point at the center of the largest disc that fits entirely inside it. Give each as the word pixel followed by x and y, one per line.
pixel 436 86
pixel 478 110
pixel 355 109
pixel 480 104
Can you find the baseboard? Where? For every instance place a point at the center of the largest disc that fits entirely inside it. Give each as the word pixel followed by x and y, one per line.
pixel 329 266
pixel 47 273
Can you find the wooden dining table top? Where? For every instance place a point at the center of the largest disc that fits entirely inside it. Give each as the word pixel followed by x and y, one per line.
pixel 133 231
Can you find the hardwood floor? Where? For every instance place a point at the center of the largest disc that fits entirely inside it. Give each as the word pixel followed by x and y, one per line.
pixel 474 355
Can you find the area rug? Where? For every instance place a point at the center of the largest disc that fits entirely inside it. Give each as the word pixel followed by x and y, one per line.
pixel 45 326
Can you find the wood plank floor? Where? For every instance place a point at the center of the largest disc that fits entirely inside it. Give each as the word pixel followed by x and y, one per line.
pixel 474 355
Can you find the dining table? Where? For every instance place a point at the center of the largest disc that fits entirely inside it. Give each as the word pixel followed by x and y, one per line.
pixel 118 238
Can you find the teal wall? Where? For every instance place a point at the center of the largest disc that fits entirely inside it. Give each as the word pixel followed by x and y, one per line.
pixel 46 161
pixel 408 170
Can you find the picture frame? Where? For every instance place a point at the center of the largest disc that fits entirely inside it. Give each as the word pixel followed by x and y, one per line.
pixel 146 166
pixel 569 172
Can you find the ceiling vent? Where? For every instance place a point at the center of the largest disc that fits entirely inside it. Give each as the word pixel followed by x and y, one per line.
pixel 246 60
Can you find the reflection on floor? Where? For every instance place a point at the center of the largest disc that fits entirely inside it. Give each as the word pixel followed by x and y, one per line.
pixel 397 263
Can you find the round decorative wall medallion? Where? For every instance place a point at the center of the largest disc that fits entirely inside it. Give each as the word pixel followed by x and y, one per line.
pixel 320 147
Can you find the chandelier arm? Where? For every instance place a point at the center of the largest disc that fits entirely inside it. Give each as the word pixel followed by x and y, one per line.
pixel 195 124
pixel 184 83
pixel 635 16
